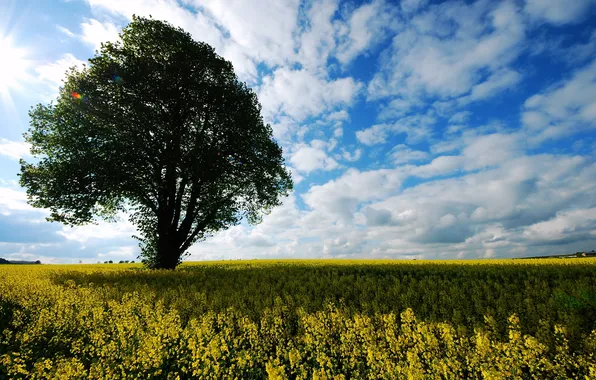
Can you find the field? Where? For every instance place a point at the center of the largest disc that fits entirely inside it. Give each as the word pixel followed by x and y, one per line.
pixel 333 319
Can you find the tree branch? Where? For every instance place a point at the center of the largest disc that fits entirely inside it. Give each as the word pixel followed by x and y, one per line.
pixel 190 212
pixel 178 204
pixel 201 226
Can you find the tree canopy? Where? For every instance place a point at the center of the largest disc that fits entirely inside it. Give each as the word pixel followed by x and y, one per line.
pixel 157 125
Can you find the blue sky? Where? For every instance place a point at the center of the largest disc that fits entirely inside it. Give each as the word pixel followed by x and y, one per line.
pixel 413 129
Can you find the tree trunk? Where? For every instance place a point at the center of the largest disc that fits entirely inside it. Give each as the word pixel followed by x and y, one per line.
pixel 167 253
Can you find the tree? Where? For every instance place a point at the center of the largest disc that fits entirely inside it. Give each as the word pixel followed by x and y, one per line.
pixel 159 126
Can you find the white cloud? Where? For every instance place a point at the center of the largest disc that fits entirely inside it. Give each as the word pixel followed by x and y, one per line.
pixel 301 94
pixel 15 200
pixel 578 53
pixel 479 151
pixel 342 195
pixel 338 116
pixel 14 149
pixel 377 134
pixel 460 117
pixel 401 154
pixel 440 166
pixel 445 50
pixel 416 128
pixel 565 226
pixel 495 84
pixel 493 149
pixel 54 73
pixel 65 31
pixel 281 218
pixel 352 157
pixel 521 192
pixel 324 145
pixel 318 41
pixel 285 128
pixel 265 36
pixel 296 177
pixel 307 159
pixel 558 12
pixel 398 107
pixel 95 32
pixel 100 231
pixel 410 6
pixel 367 27
pixel 122 253
pixel 564 109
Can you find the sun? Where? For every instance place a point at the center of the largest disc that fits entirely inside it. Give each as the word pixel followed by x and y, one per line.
pixel 13 66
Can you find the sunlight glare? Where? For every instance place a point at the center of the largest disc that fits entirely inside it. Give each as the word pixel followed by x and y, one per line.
pixel 13 66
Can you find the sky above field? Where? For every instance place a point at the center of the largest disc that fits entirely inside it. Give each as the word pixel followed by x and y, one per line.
pixel 413 129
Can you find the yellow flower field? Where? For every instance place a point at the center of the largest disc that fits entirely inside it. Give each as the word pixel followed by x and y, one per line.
pixel 301 319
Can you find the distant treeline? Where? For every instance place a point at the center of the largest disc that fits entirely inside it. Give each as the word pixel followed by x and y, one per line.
pixel 569 255
pixel 4 261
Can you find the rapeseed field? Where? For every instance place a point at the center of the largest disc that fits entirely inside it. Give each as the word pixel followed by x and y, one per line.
pixel 301 319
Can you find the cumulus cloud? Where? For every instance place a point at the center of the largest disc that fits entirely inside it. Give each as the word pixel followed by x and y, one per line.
pixel 127 252
pixel 100 231
pixel 416 128
pixel 565 227
pixel 343 195
pixel 445 50
pixel 558 12
pixel 310 158
pixel 95 32
pixel 318 41
pixel 477 151
pixel 521 192
pixel 566 108
pixel 53 73
pixel 401 154
pixel 352 157
pixel 367 26
pixel 376 134
pixel 495 84
pixel 265 36
pixel 301 94
pixel 14 149
pixel 11 199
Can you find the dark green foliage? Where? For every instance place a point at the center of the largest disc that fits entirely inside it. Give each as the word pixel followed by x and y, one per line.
pixel 160 126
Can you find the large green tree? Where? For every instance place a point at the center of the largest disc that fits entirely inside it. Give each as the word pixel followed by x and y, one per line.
pixel 157 125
